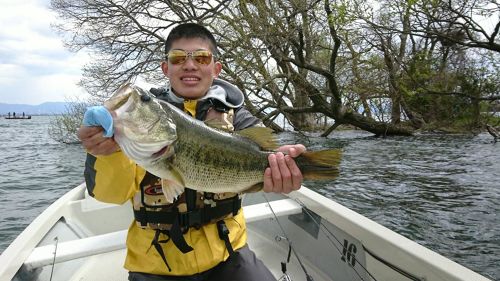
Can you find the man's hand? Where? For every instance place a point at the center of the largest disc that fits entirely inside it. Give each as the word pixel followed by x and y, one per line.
pixel 94 141
pixel 283 175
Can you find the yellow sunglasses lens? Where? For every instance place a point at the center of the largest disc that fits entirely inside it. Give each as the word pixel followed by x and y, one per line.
pixel 177 56
pixel 202 57
pixel 180 56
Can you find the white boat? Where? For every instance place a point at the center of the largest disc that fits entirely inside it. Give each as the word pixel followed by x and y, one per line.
pixel 79 238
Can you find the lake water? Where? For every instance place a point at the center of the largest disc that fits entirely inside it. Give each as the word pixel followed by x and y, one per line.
pixel 34 172
pixel 441 191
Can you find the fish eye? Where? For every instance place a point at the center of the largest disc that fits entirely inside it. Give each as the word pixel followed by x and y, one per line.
pixel 145 98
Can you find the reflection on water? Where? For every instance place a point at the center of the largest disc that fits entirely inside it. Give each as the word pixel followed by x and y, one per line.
pixel 438 190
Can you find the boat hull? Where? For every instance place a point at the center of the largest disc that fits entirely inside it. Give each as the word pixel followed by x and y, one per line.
pixel 329 241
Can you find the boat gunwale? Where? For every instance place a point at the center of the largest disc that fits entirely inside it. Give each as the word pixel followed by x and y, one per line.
pixel 14 256
pixel 433 265
pixel 428 265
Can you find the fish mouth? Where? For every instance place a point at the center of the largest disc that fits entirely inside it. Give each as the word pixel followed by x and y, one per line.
pixel 160 152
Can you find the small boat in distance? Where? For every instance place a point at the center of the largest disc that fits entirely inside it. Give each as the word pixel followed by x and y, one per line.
pixel 21 117
pixel 14 116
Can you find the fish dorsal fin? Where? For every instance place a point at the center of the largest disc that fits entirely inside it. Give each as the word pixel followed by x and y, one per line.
pixel 263 136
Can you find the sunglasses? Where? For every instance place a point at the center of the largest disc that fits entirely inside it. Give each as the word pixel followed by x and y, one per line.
pixel 180 56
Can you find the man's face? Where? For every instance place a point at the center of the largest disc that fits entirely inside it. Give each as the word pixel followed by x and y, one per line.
pixel 190 79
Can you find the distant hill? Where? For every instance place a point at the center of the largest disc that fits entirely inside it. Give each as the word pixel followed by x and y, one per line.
pixel 46 108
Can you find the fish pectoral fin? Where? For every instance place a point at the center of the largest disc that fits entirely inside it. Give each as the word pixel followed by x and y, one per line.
pixel 263 136
pixel 171 189
pixel 172 185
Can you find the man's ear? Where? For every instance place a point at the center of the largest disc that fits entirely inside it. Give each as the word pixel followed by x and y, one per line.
pixel 164 68
pixel 217 69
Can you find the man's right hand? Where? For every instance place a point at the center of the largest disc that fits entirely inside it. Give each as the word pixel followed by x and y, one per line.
pixel 94 141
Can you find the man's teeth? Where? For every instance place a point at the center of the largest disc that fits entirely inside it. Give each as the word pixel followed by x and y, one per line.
pixel 190 79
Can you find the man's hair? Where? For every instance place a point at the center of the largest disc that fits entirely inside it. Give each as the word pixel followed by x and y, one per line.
pixel 189 31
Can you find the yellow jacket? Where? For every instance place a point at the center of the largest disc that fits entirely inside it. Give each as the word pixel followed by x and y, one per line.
pixel 116 180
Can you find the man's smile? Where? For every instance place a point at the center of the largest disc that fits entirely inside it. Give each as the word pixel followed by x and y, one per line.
pixel 190 80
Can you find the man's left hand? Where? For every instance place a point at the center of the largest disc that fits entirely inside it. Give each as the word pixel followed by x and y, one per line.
pixel 283 175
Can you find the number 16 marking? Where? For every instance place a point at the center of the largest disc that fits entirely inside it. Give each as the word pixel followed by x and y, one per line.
pixel 348 253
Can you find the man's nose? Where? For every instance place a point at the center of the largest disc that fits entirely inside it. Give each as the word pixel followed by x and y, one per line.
pixel 189 64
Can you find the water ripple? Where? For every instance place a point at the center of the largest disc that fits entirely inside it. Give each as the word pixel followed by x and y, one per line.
pixel 438 190
pixel 35 171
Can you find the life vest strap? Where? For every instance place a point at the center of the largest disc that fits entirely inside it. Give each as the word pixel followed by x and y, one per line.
pixel 174 234
pixel 224 236
pixel 156 243
pixel 178 238
pixel 190 197
pixel 174 223
pixel 194 218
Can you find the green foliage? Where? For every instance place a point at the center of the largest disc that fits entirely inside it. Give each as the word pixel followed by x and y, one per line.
pixel 341 15
pixel 455 99
pixel 488 118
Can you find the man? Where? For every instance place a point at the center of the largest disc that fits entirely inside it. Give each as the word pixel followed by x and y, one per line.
pixel 165 242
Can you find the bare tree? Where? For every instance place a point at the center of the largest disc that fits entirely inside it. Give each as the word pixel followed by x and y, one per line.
pixel 295 48
pixel 125 37
pixel 424 72
pixel 63 128
pixel 297 62
pixel 463 22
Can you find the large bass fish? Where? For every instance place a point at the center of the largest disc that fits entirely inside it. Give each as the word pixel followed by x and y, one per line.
pixel 186 152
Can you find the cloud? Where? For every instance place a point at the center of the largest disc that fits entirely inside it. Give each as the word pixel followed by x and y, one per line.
pixel 34 65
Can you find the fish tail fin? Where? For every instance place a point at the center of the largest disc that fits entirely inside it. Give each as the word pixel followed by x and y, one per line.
pixel 320 165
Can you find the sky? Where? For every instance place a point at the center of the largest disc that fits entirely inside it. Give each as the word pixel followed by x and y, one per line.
pixel 35 67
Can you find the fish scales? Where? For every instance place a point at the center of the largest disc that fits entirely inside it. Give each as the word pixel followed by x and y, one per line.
pixel 215 161
pixel 185 152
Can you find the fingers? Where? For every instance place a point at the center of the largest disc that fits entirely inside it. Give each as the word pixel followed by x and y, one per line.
pixel 274 182
pixel 94 142
pixel 283 174
pixel 268 180
pixel 293 150
pixel 85 132
pixel 296 174
pixel 105 147
pixel 277 171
